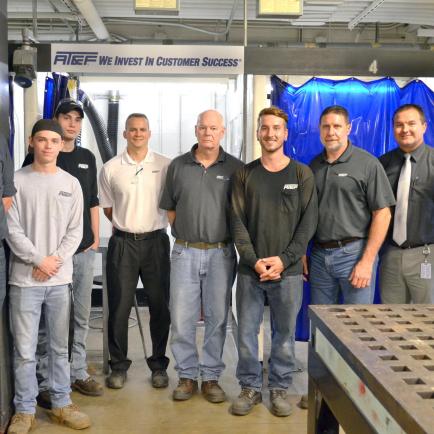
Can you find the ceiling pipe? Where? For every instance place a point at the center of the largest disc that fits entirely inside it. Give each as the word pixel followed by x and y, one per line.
pixel 90 14
pixel 43 16
pixel 35 18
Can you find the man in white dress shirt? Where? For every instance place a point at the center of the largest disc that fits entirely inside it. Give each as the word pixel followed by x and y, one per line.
pixel 130 186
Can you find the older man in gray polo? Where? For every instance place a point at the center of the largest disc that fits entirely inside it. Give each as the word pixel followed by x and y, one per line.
pixel 196 197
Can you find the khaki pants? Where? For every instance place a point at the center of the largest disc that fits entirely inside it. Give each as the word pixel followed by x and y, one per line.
pixel 400 280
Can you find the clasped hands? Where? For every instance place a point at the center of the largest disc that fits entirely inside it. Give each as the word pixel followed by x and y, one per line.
pixel 269 268
pixel 47 268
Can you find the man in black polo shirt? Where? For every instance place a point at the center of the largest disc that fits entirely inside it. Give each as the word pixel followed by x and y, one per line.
pixel 354 197
pixel 203 260
pixel 274 215
pixel 405 270
pixel 80 163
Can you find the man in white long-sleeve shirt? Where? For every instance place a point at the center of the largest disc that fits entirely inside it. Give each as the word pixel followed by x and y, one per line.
pixel 45 228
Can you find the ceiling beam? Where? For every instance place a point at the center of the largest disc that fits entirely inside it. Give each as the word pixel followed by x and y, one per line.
pixel 367 11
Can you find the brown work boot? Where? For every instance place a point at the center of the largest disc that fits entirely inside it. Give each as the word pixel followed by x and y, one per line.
pixel 70 416
pixel 246 400
pixel 88 387
pixel 212 392
pixel 185 389
pixel 21 423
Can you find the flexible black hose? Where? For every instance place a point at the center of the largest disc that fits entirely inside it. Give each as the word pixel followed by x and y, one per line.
pixel 112 120
pixel 98 126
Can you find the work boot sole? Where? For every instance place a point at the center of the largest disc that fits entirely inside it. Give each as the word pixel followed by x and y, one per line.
pixel 183 396
pixel 280 413
pixel 215 399
pixel 244 411
pixel 86 392
pixel 60 421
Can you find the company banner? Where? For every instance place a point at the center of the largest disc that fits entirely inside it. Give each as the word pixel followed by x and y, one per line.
pixel 147 59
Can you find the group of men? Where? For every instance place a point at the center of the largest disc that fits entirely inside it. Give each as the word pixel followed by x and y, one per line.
pixel 269 209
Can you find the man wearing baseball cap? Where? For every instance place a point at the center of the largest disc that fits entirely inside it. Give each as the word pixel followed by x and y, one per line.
pixel 80 163
pixel 45 225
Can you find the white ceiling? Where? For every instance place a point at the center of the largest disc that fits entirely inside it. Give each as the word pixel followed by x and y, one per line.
pixel 326 21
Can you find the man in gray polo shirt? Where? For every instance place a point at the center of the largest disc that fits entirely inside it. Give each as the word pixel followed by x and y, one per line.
pixel 354 197
pixel 203 260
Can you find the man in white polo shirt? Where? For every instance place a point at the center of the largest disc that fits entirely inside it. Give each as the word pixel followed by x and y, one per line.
pixel 130 187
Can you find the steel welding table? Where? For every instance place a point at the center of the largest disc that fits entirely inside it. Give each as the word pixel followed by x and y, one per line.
pixel 371 369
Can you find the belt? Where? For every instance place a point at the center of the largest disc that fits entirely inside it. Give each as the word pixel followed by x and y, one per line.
pixel 139 237
pixel 410 246
pixel 200 245
pixel 337 244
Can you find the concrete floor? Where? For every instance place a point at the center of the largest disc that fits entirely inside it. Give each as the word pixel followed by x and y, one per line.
pixel 138 408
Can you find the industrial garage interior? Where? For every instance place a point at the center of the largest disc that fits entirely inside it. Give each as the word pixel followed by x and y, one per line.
pixel 331 39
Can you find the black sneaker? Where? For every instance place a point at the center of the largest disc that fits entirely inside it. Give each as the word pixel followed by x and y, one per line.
pixel 159 379
pixel 116 379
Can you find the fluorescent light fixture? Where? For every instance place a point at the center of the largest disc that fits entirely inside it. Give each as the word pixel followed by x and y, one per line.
pixel 279 8
pixel 157 7
pixel 307 23
pixel 425 33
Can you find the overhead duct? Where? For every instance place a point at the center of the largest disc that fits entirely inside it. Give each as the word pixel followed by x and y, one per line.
pixel 113 119
pixel 98 126
pixel 90 14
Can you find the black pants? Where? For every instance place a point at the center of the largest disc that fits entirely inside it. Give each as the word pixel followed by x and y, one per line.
pixel 127 260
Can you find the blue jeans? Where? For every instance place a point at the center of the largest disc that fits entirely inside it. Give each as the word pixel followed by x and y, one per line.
pixel 200 276
pixel 284 298
pixel 25 312
pixel 329 273
pixel 82 281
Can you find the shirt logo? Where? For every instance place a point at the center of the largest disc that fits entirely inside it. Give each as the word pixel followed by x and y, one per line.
pixel 342 174
pixel 65 193
pixel 290 186
pixel 222 177
pixel 83 166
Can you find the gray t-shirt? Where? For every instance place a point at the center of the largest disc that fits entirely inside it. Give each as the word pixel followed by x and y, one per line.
pixel 200 196
pixel 7 188
pixel 46 218
pixel 349 190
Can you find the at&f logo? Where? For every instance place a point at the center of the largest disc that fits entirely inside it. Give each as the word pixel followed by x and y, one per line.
pixel 75 57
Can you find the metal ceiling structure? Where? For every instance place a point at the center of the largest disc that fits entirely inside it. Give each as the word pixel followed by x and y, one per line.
pixel 204 21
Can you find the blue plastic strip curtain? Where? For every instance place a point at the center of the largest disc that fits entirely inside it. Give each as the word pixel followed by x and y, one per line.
pixel 370 105
pixel 11 117
pixel 56 89
pixel 49 98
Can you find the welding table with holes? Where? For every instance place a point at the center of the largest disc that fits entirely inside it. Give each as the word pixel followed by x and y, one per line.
pixel 371 369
